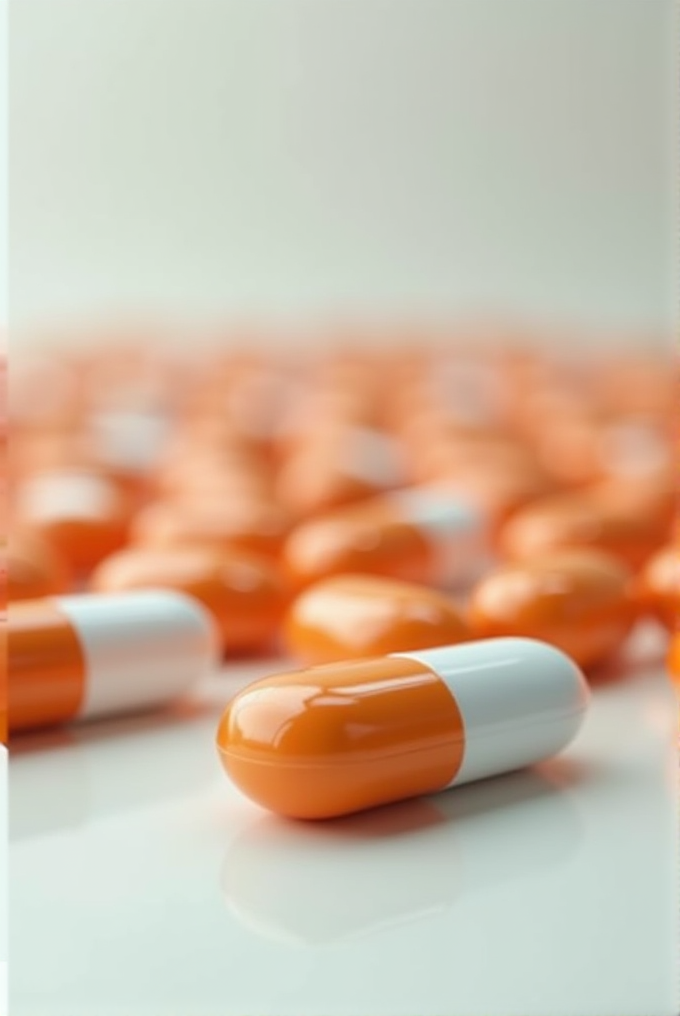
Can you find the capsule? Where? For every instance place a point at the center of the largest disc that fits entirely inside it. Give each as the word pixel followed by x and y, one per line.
pixel 244 592
pixel 239 524
pixel 659 586
pixel 83 515
pixel 581 601
pixel 34 568
pixel 338 467
pixel 87 657
pixel 563 522
pixel 411 535
pixel 353 616
pixel 344 737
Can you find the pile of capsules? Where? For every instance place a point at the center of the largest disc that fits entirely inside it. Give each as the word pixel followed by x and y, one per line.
pixel 446 538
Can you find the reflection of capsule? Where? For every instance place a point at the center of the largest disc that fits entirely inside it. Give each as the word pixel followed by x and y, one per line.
pixel 358 876
pixel 343 737
pixel 91 776
pixel 84 657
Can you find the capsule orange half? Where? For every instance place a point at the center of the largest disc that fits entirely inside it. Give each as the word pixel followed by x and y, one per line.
pixel 579 600
pixel 353 616
pixel 563 522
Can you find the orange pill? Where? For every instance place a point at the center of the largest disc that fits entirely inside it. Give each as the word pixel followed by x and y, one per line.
pixel 82 514
pixel 338 467
pixel 577 600
pixel 659 586
pixel 232 524
pixel 652 496
pixel 353 616
pixel 244 593
pixel 34 568
pixel 563 522
pixel 413 535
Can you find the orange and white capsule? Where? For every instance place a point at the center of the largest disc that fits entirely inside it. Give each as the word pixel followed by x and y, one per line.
pixel 87 657
pixel 416 535
pixel 343 737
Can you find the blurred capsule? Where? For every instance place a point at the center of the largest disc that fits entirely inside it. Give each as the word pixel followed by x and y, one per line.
pixel 245 524
pixel 580 601
pixel 82 514
pixel 336 468
pixel 244 593
pixel 659 586
pixel 412 535
pixel 563 522
pixel 351 616
pixel 35 568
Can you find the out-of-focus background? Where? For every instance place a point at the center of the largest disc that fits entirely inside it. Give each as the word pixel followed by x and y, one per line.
pixel 201 159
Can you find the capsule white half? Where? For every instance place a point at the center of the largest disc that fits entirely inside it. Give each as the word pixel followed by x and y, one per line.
pixel 520 700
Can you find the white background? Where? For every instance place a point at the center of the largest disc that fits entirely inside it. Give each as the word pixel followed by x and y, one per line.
pixel 295 156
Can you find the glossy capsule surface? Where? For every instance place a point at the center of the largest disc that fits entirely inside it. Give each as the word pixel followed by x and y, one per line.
pixel 353 616
pixel 580 601
pixel 347 736
pixel 85 657
pixel 244 592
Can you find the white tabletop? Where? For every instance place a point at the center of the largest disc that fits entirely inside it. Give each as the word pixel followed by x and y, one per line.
pixel 143 884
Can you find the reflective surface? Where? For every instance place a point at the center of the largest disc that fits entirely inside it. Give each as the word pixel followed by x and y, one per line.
pixel 144 885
